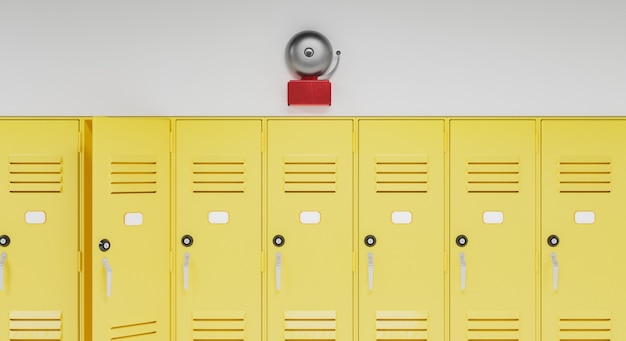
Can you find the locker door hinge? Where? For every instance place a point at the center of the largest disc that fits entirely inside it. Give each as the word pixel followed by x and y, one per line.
pixel 445 261
pixel 171 261
pixel 354 261
pixel 80 142
pixel 262 142
pixel 445 140
pixel 353 141
pixel 79 261
pixel 262 261
pixel 171 141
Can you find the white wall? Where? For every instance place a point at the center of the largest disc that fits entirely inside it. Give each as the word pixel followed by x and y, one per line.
pixel 142 57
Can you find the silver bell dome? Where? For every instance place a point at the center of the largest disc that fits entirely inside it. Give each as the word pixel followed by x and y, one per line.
pixel 309 53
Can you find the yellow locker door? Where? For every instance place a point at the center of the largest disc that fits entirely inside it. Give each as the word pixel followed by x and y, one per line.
pixel 39 279
pixel 310 216
pixel 130 229
pixel 218 229
pixel 401 230
pixel 582 240
pixel 492 229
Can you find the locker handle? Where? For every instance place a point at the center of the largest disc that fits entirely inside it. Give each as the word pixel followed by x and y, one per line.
pixel 278 265
pixel 463 269
pixel 3 258
pixel 186 271
pixel 370 270
pixel 107 268
pixel 555 272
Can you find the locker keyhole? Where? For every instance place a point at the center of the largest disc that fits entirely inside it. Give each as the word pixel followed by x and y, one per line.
pixel 278 240
pixel 187 240
pixel 369 240
pixel 461 240
pixel 5 240
pixel 104 245
pixel 553 240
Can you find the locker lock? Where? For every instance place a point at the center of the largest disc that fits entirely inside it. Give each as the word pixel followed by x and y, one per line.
pixel 104 245
pixel 369 240
pixel 5 240
pixel 187 240
pixel 461 240
pixel 278 240
pixel 553 240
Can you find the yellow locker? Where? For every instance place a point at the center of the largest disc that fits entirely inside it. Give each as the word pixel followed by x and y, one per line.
pixel 401 230
pixel 310 218
pixel 39 230
pixel 218 229
pixel 130 257
pixel 492 229
pixel 583 201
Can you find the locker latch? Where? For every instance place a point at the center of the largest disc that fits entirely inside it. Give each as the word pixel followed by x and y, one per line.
pixel 463 269
pixel 555 272
pixel 278 268
pixel 186 270
pixel 109 274
pixel 3 258
pixel 370 270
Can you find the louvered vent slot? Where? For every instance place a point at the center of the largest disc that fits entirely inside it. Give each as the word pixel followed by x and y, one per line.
pixel 584 326
pixel 584 174
pixel 402 173
pixel 493 175
pixel 133 175
pixel 35 325
pixel 402 325
pixel 133 331
pixel 35 174
pixel 218 325
pixel 310 173
pixel 218 174
pixel 496 325
pixel 310 325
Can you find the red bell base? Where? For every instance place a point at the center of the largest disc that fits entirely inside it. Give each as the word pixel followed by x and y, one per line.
pixel 308 92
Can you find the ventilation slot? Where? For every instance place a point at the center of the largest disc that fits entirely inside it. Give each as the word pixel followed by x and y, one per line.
pixel 218 325
pixel 493 175
pixel 218 174
pixel 402 325
pixel 310 173
pixel 584 174
pixel 404 173
pixel 584 326
pixel 35 174
pixel 496 325
pixel 133 331
pixel 35 325
pixel 133 175
pixel 310 325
